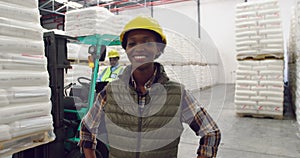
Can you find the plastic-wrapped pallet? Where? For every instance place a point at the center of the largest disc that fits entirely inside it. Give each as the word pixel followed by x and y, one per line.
pixel 258 29
pixel 193 61
pixel 24 80
pixel 94 20
pixel 77 51
pixel 259 88
pixel 87 21
pixel 114 24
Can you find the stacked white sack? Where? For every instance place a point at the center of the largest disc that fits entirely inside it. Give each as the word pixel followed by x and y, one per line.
pixel 193 76
pixel 259 87
pixel 24 80
pixel 77 51
pixel 30 125
pixel 115 24
pixel 188 61
pixel 5 134
pixel 87 21
pixel 182 50
pixel 258 28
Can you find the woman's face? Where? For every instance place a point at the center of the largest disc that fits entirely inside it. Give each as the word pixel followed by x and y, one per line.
pixel 141 47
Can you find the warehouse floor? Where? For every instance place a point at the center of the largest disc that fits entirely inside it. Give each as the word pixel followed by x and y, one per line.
pixel 244 137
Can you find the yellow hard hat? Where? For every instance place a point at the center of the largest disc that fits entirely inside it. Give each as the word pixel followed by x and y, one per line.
pixel 142 22
pixel 113 53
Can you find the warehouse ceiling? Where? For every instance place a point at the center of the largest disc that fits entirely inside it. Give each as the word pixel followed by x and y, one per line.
pixel 53 11
pixel 61 6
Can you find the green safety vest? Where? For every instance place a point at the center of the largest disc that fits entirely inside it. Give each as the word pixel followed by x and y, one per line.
pixel 109 75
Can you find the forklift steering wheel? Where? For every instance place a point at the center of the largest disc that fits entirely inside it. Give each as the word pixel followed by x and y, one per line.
pixel 79 79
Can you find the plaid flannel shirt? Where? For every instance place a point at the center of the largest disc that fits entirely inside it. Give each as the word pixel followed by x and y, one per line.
pixel 192 113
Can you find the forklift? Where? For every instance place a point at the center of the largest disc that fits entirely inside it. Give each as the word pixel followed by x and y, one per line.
pixel 69 108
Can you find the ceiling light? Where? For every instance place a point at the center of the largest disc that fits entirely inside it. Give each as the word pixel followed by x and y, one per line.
pixel 74 5
pixel 61 1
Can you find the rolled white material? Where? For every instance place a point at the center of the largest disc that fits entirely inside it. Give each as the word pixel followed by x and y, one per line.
pixel 22 46
pixel 247 23
pixel 277 46
pixel 271 41
pixel 270 31
pixel 24 78
pixel 249 62
pixel 246 33
pixel 21 32
pixel 269 21
pixel 242 87
pixel 246 72
pixel 5 133
pixel 29 94
pixel 242 97
pixel 243 14
pixel 268 11
pixel 245 92
pixel 259 88
pixel 22 66
pixel 275 99
pixel 271 93
pixel 28 3
pixel 244 48
pixel 270 103
pixel 23 111
pixel 246 43
pixel 16 12
pixel 271 83
pixel 258 98
pixel 259 67
pixel 240 102
pixel 23 62
pixel 31 125
pixel 24 24
pixel 3 97
pixel 244 67
pixel 271 72
pixel 246 19
pixel 252 51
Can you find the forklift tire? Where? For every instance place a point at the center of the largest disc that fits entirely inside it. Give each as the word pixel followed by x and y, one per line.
pixel 75 153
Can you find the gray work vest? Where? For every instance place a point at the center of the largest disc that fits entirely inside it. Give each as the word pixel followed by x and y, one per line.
pixel 152 131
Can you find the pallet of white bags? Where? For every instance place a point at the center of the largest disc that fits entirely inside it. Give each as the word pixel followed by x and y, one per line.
pixel 249 56
pixel 256 115
pixel 17 144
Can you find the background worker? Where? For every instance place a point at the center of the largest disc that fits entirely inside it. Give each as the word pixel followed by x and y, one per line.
pixel 112 72
pixel 142 111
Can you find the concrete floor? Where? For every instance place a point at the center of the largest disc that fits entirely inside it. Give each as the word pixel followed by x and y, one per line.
pixel 243 137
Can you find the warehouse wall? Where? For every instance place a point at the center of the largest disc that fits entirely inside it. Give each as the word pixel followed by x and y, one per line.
pixel 217 18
